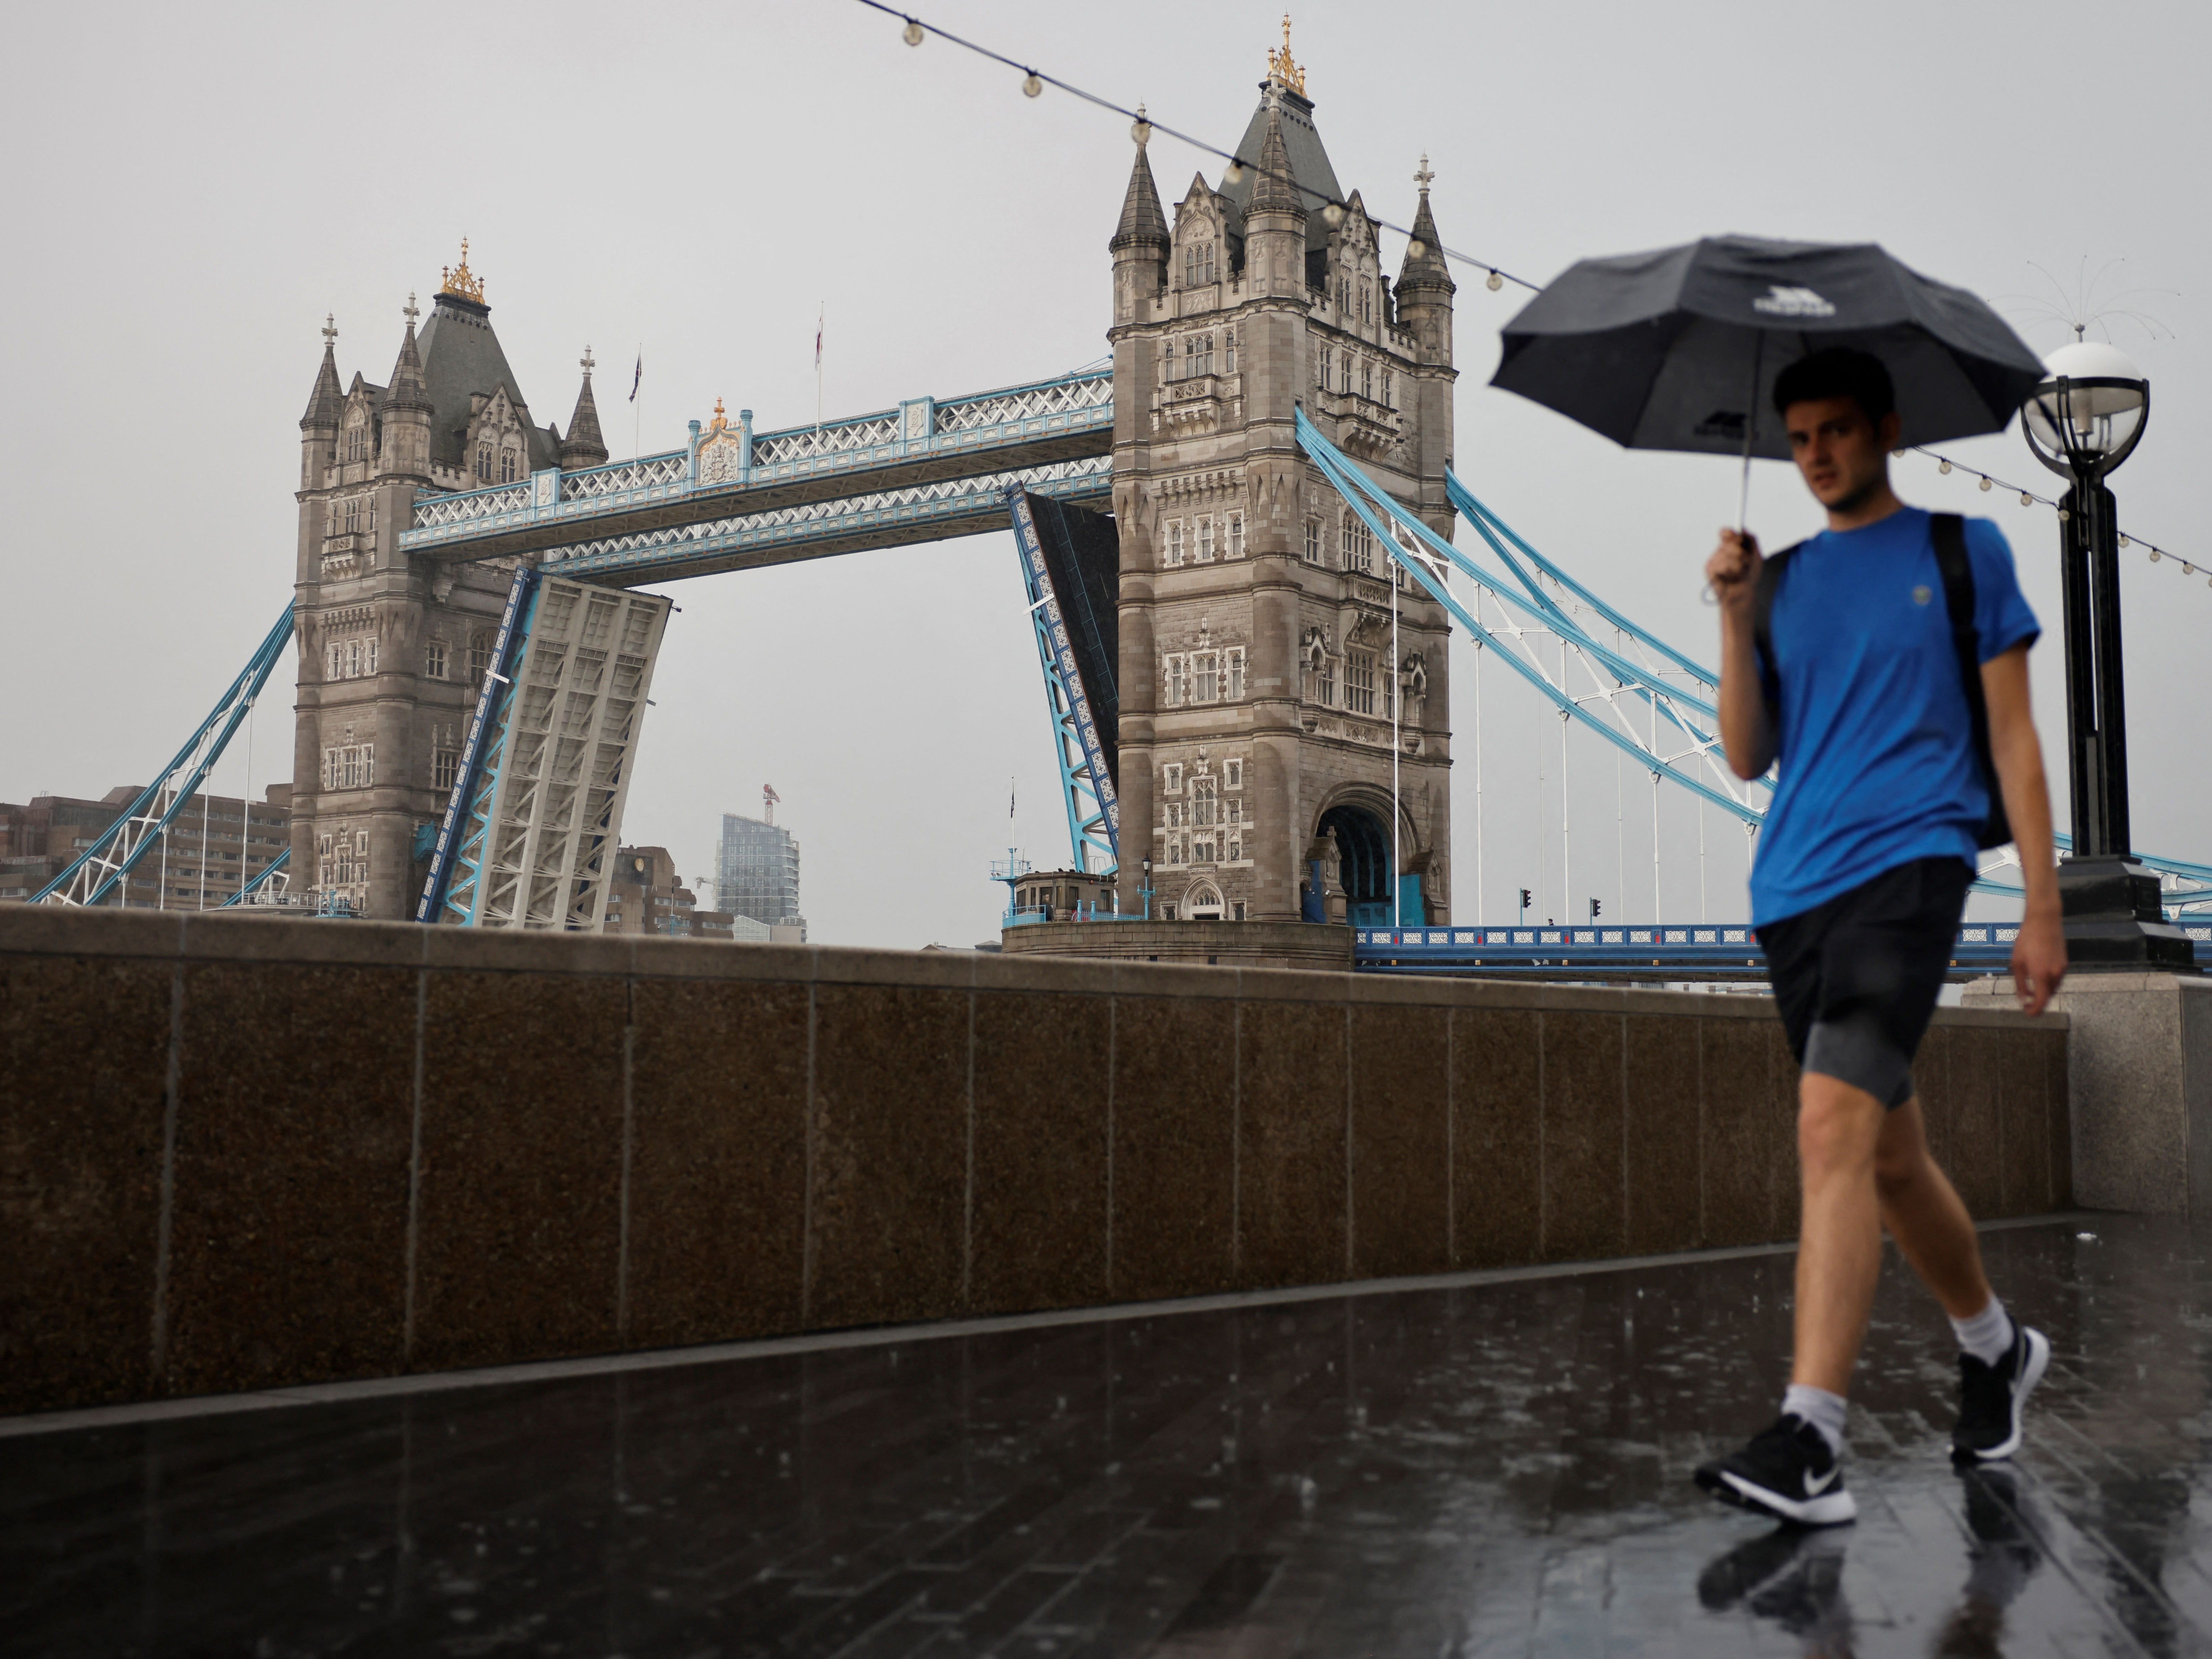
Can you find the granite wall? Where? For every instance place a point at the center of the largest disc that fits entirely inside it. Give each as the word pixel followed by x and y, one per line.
pixel 238 1152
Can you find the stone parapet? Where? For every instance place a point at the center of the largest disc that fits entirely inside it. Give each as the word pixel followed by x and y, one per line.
pixel 1323 946
pixel 2139 1076
pixel 238 1155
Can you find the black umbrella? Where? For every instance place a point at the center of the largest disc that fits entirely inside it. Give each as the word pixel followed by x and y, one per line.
pixel 1679 349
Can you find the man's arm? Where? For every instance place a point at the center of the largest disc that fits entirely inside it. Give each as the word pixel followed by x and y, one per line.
pixel 1747 738
pixel 2038 955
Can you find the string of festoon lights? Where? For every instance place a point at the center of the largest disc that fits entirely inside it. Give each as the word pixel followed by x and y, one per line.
pixel 2029 498
pixel 1142 126
pixel 914 32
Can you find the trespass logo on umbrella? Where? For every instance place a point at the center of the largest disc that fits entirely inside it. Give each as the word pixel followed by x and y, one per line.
pixel 1778 302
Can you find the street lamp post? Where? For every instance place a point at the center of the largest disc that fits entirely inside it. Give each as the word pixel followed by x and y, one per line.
pixel 2083 421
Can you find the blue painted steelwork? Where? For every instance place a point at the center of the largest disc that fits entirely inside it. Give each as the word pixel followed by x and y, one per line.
pixel 244 894
pixel 1086 783
pixel 1378 510
pixel 917 512
pixel 1688 711
pixel 455 882
pixel 95 872
pixel 964 431
pixel 1702 949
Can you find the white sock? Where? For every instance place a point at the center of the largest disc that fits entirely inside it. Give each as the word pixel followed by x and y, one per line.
pixel 1989 1335
pixel 1823 1410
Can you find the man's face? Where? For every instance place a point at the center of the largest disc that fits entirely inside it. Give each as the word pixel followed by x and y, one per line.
pixel 1843 456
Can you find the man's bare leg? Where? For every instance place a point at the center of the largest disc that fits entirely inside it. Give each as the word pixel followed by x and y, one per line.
pixel 1839 1128
pixel 1926 1217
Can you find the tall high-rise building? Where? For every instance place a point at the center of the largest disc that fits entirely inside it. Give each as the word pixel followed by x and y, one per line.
pixel 757 872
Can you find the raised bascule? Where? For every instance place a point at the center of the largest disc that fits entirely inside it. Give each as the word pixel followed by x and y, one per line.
pixel 1237 550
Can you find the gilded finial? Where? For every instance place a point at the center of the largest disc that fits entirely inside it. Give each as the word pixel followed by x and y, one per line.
pixel 459 282
pixel 1281 68
pixel 721 422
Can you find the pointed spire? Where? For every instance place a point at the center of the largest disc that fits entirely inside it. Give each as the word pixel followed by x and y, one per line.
pixel 1143 224
pixel 1273 190
pixel 323 401
pixel 1424 266
pixel 411 388
pixel 584 446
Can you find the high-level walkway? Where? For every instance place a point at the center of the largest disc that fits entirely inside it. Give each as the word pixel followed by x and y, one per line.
pixel 1492 1464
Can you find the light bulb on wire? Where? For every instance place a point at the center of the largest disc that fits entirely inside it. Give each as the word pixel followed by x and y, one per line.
pixel 1985 480
pixel 1943 467
pixel 1030 85
pixel 1494 281
pixel 911 33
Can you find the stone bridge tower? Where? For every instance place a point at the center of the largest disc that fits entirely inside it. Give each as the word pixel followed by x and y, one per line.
pixel 1256 668
pixel 392 650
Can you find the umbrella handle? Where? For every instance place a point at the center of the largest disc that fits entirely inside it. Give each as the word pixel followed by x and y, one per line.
pixel 1750 431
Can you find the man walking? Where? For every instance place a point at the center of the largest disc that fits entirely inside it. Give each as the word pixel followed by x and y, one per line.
pixel 1863 660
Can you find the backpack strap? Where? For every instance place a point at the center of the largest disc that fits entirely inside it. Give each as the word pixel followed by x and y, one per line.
pixel 1771 571
pixel 1948 531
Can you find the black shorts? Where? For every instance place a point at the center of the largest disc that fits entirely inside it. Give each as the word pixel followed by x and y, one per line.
pixel 1856 979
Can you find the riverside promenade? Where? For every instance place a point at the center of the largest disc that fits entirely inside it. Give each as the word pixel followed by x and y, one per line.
pixel 1480 1463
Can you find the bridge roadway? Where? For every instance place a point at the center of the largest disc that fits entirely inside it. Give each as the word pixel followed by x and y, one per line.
pixel 733 499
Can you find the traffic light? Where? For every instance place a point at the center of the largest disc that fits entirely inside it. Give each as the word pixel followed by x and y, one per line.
pixel 1594 909
pixel 1524 904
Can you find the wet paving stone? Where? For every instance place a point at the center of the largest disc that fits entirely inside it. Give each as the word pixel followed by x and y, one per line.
pixel 1500 1468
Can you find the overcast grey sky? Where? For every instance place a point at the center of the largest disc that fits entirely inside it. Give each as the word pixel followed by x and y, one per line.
pixel 191 189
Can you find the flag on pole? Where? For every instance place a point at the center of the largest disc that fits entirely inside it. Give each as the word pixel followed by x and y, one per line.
pixel 818 318
pixel 637 375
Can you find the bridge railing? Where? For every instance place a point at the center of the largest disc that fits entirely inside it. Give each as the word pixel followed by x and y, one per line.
pixel 1068 404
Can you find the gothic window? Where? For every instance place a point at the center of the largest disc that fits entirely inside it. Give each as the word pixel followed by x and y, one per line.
pixel 1344 372
pixel 353 515
pixel 444 767
pixel 334 661
pixel 1324 354
pixel 353 659
pixel 356 437
pixel 1198 264
pixel 1205 673
pixel 1175 542
pixel 1233 771
pixel 1237 535
pixel 507 463
pixel 1232 674
pixel 1206 541
pixel 1386 386
pixel 1172 694
pixel 1197 355
pixel 1359 682
pixel 1367 381
pixel 1358 544
pixel 1229 351
pixel 1366 302
pixel 483 463
pixel 1344 293
pixel 1172 778
pixel 434 660
pixel 1313 541
pixel 1325 683
pixel 479 655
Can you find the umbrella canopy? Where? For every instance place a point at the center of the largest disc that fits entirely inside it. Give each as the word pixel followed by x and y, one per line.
pixel 1679 349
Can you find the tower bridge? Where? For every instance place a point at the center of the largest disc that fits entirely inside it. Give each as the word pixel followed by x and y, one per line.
pixel 1235 541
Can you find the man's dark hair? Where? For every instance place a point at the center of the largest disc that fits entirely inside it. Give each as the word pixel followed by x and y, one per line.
pixel 1839 372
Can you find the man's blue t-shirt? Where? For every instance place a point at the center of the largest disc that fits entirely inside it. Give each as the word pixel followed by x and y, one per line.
pixel 1875 754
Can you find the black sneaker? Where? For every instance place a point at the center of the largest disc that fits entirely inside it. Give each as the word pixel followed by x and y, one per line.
pixel 1992 1397
pixel 1787 1472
